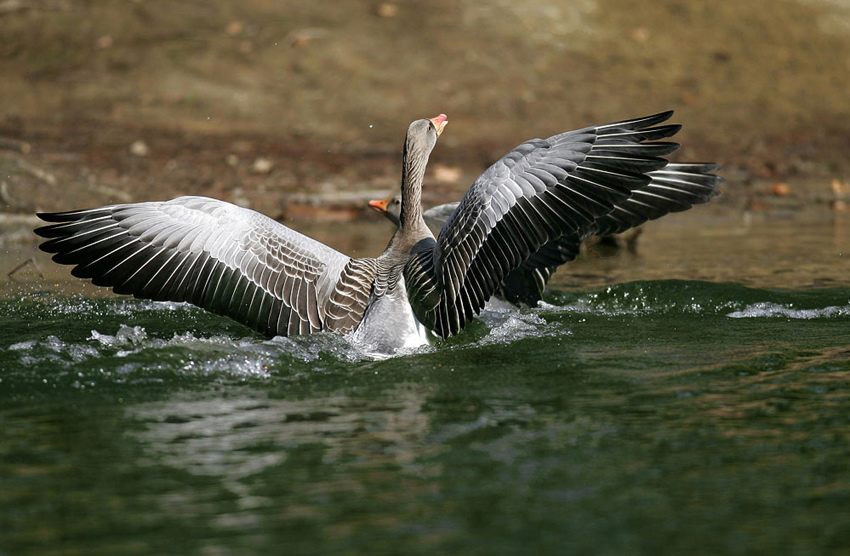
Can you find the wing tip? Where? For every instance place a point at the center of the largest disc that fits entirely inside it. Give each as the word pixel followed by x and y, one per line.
pixel 52 216
pixel 642 122
pixel 42 231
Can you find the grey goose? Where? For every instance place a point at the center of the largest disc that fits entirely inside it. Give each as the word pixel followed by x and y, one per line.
pixel 674 188
pixel 241 264
pixel 435 217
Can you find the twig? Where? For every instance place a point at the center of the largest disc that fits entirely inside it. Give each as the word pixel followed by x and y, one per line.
pixel 37 172
pixel 15 145
pixel 31 261
pixel 4 194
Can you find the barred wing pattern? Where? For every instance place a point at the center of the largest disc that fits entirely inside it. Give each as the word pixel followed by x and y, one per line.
pixel 541 191
pixel 674 188
pixel 349 300
pixel 224 258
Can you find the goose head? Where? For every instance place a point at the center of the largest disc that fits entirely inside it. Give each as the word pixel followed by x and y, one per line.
pixel 390 207
pixel 421 138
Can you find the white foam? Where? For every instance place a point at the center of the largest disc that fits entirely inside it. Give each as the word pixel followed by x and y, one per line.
pixel 23 346
pixel 126 335
pixel 310 348
pixel 761 310
pixel 508 325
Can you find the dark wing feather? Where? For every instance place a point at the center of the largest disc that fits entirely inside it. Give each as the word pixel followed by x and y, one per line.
pixel 542 191
pixel 526 283
pixel 221 257
pixel 674 188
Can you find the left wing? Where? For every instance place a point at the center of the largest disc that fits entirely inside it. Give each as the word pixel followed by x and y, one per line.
pixel 224 258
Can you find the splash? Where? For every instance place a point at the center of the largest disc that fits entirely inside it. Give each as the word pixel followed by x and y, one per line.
pixel 510 325
pixel 757 310
pixel 312 348
pixel 125 336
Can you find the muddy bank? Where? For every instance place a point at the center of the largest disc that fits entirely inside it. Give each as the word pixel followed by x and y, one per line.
pixel 281 108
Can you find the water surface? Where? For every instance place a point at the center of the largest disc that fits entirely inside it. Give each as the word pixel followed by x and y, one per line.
pixel 693 399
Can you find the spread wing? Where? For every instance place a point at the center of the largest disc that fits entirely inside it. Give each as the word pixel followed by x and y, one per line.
pixel 674 188
pixel 224 258
pixel 544 190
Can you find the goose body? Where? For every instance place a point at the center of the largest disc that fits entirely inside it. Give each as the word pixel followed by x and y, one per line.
pixel 389 324
pixel 527 211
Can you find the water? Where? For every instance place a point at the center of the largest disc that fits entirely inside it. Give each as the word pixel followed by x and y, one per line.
pixel 645 416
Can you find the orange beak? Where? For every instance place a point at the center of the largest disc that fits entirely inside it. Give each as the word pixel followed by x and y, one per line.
pixel 439 123
pixel 380 206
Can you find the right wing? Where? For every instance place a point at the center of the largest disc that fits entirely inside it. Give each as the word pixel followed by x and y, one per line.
pixel 674 188
pixel 542 191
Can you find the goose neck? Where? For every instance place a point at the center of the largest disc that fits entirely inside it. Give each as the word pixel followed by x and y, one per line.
pixel 411 190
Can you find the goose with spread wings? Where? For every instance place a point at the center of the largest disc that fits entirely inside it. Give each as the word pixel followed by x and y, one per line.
pixel 239 263
pixel 674 188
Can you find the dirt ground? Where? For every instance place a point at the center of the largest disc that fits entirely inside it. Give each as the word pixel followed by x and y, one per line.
pixel 298 109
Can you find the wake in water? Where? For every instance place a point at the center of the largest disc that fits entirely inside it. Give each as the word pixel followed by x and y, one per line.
pixel 125 335
pixel 701 298
pixel 198 355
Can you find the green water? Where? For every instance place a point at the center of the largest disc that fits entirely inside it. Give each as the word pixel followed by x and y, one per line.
pixel 651 417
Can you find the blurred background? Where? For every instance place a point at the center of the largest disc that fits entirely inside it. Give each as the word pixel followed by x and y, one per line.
pixel 689 398
pixel 298 109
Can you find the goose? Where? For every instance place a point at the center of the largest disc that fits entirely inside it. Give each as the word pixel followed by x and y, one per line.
pixel 675 188
pixel 435 217
pixel 239 263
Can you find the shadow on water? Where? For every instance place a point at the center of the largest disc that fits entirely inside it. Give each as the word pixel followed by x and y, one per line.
pixel 649 416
